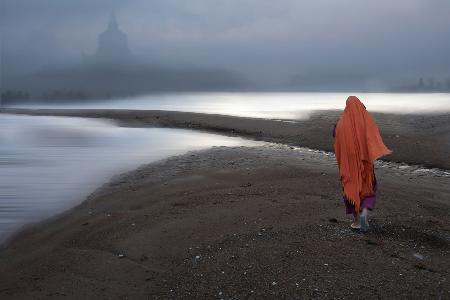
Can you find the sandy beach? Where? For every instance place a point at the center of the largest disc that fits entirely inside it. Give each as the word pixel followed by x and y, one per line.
pixel 262 222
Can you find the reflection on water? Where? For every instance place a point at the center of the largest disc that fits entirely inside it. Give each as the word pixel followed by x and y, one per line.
pixel 275 105
pixel 48 164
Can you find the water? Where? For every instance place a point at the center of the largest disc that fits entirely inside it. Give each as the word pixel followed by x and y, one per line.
pixel 273 105
pixel 48 164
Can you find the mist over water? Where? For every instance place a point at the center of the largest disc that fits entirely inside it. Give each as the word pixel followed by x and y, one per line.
pixel 48 164
pixel 319 45
pixel 282 105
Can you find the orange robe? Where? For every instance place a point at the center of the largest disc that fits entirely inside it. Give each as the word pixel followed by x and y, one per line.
pixel 357 144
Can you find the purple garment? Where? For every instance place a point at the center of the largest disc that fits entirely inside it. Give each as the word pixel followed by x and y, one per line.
pixel 368 202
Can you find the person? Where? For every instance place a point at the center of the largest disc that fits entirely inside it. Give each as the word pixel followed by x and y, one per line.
pixel 357 143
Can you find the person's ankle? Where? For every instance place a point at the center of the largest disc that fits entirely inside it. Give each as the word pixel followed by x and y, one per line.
pixel 364 212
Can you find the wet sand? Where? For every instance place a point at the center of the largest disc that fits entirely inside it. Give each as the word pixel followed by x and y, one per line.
pixel 415 139
pixel 239 223
pixel 245 223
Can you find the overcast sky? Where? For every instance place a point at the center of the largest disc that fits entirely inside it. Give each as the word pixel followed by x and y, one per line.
pixel 276 37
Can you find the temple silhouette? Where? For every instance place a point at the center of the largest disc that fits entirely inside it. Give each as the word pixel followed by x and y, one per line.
pixel 113 72
pixel 112 46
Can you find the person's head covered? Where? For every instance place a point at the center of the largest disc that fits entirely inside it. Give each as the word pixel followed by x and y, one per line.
pixel 353 103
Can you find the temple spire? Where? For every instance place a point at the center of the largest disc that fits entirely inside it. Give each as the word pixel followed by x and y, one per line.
pixel 112 45
pixel 113 22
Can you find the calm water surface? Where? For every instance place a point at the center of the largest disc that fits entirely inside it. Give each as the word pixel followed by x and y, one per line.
pixel 48 164
pixel 274 105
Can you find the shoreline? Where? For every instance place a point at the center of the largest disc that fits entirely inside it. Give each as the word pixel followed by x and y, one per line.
pixel 258 222
pixel 117 180
pixel 414 139
pixel 231 221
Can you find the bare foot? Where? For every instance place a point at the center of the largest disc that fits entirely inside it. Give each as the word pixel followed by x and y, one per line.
pixel 355 225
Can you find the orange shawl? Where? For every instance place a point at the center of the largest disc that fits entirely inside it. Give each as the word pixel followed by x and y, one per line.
pixel 357 144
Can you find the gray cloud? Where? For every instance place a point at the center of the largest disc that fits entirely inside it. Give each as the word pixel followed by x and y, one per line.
pixel 268 40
